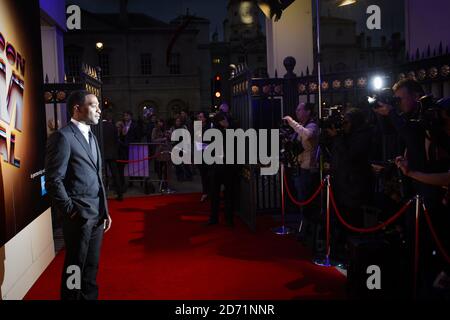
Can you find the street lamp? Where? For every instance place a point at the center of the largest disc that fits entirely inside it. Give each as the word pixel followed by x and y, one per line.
pixel 323 262
pixel 99 46
pixel 344 3
pixel 341 3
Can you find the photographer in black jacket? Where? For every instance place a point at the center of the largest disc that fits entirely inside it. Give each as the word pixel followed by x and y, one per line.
pixel 350 165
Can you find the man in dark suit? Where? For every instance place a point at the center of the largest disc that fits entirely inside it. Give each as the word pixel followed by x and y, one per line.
pixel 111 151
pixel 129 132
pixel 74 183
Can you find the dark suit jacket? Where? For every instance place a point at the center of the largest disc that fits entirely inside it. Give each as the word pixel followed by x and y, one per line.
pixel 132 136
pixel 110 141
pixel 73 181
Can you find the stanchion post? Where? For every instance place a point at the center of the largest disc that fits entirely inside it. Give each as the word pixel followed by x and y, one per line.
pixel 327 256
pixel 416 245
pixel 326 261
pixel 283 230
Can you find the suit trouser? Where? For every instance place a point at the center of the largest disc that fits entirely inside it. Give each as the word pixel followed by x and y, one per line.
pixel 221 175
pixel 116 177
pixel 83 239
pixel 203 168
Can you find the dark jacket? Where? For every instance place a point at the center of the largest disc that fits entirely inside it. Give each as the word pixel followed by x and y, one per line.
pixel 132 136
pixel 110 141
pixel 73 181
pixel 351 170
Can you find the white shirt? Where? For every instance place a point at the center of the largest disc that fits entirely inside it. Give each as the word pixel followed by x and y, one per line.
pixel 84 128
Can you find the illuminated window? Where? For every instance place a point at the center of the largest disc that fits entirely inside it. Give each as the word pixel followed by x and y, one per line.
pixel 216 61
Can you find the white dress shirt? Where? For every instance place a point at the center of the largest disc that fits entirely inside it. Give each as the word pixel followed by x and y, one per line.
pixel 84 128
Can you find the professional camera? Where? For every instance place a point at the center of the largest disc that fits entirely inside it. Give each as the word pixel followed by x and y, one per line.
pixel 334 118
pixel 291 147
pixel 429 114
pixel 385 96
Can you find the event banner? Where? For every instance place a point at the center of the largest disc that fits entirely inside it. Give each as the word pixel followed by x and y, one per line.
pixel 22 117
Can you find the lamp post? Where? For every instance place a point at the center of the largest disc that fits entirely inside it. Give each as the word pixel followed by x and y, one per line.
pixel 341 3
pixel 99 46
pixel 326 262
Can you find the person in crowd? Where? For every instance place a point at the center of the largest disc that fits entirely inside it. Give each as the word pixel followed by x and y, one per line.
pixel 202 116
pixel 305 176
pixel 222 174
pixel 423 148
pixel 351 171
pixel 411 132
pixel 225 109
pixel 128 133
pixel 351 175
pixel 441 221
pixel 111 151
pixel 130 130
pixel 148 124
pixel 74 182
pixel 161 137
pixel 182 170
pixel 186 120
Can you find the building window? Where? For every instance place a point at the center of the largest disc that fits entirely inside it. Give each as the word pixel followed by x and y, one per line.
pixel 146 63
pixel 73 65
pixel 216 61
pixel 104 63
pixel 174 64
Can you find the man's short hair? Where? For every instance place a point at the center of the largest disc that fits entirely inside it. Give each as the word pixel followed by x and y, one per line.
pixel 76 98
pixel 128 112
pixel 411 85
pixel 309 106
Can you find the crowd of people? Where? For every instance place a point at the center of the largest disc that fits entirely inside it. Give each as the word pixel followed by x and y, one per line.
pixel 380 156
pixel 156 132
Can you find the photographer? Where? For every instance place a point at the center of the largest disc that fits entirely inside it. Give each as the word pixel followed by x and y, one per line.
pixel 307 133
pixel 438 154
pixel 410 130
pixel 350 165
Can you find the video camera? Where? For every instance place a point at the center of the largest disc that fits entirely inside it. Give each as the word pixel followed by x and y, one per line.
pixel 334 118
pixel 429 115
pixel 385 96
pixel 291 147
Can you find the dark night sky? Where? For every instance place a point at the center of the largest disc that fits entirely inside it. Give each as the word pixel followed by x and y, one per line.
pixel 166 10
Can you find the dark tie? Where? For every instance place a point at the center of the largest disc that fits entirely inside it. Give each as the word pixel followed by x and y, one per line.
pixel 93 147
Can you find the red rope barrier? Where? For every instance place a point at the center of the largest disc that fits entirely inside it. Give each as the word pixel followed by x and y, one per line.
pixel 372 229
pixel 436 239
pixel 301 203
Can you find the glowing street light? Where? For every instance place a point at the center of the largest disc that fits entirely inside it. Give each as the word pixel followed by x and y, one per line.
pixel 99 46
pixel 344 3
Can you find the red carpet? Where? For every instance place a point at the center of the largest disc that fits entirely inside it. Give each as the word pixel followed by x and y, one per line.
pixel 158 248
